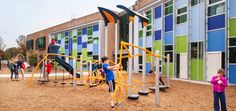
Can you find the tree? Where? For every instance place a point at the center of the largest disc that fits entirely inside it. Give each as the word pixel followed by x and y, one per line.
pixel 11 52
pixel 2 46
pixel 21 41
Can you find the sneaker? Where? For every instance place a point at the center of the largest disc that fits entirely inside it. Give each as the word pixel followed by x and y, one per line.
pixel 117 105
pixel 112 107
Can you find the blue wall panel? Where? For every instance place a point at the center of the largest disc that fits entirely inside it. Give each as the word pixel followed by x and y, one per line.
pixel 216 22
pixel 157 35
pixel 169 23
pixel 140 43
pixel 232 74
pixel 95 49
pixel 79 48
pixel 59 41
pixel 84 31
pixel 79 40
pixel 66 46
pixel 66 33
pixel 169 38
pixel 216 40
pixel 232 8
pixel 198 23
pixel 66 52
pixel 84 45
pixel 158 12
pixel 182 29
pixel 148 67
pixel 95 28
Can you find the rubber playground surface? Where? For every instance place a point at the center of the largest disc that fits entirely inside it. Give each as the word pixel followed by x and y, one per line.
pixel 182 96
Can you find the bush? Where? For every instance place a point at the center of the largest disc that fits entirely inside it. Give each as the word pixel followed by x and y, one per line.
pixel 33 60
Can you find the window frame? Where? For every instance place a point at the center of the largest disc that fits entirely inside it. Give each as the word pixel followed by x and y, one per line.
pixel 178 15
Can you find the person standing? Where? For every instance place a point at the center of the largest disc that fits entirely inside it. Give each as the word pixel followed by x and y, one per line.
pixel 219 83
pixel 20 66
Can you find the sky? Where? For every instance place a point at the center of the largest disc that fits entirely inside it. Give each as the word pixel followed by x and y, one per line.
pixel 23 17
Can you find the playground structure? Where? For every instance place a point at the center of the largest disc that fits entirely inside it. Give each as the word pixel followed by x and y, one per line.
pixel 93 78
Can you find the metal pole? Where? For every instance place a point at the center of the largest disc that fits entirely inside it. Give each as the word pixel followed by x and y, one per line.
pixel 116 42
pixel 90 72
pixel 130 59
pixel 168 70
pixel 157 94
pixel 81 69
pixel 44 62
pixel 144 59
pixel 74 73
pixel 106 41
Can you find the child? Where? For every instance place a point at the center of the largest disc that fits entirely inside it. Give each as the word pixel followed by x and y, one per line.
pixel 20 64
pixel 11 66
pixel 219 83
pixel 49 69
pixel 151 72
pixel 109 77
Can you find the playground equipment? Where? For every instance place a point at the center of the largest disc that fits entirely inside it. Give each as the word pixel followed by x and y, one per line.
pixel 118 92
pixel 110 17
pixel 144 21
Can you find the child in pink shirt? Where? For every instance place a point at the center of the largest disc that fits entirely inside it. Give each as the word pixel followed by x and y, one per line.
pixel 219 83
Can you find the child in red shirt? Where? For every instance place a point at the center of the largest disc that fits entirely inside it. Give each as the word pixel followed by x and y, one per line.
pixel 49 69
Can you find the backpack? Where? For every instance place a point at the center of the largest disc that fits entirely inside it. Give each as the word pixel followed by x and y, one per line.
pixel 23 66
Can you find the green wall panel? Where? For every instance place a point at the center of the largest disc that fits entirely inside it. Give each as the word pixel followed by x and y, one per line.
pixel 196 67
pixel 171 70
pixel 84 54
pixel 78 64
pixel 232 27
pixel 74 53
pixel 181 44
pixel 62 50
pixel 157 46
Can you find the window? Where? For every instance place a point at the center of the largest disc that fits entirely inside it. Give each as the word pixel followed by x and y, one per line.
pixel 74 39
pixel 195 2
pixel 30 44
pixel 169 50
pixel 140 34
pixel 232 42
pixel 66 40
pixel 181 19
pixel 90 41
pixel 41 43
pixel 169 7
pixel 90 54
pixel 149 26
pixel 95 40
pixel 216 9
pixel 197 50
pixel 62 35
pixel 140 59
pixel 182 15
pixel 70 33
pixel 55 37
pixel 90 31
pixel 232 50
pixel 79 32
pixel 232 55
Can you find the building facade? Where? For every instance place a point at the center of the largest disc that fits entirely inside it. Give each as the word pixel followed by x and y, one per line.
pixel 199 35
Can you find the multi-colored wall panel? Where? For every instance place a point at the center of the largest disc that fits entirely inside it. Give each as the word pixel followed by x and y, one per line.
pixel 79 41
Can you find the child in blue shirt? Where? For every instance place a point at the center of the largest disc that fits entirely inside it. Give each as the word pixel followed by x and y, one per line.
pixel 108 70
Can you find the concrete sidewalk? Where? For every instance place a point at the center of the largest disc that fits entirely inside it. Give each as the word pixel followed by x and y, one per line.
pixel 35 75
